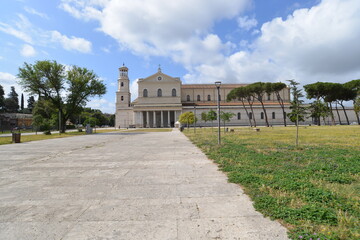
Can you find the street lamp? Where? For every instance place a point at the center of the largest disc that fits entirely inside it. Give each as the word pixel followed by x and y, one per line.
pixel 218 84
pixel 194 118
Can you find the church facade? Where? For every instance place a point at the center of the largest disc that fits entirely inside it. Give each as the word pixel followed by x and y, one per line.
pixel 162 98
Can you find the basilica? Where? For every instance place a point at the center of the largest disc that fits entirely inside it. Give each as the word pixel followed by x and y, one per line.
pixel 162 98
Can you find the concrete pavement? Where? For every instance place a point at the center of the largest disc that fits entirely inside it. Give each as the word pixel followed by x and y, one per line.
pixel 122 186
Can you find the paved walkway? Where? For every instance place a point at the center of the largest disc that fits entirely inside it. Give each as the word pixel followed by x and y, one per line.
pixel 122 186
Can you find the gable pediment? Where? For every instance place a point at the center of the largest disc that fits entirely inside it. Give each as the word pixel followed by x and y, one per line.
pixel 160 77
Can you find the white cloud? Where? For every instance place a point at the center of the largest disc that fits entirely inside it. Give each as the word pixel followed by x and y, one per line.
pixel 134 89
pixel 316 44
pixel 28 51
pixel 34 12
pixel 72 43
pixel 18 29
pixel 247 23
pixel 7 80
pixel 101 103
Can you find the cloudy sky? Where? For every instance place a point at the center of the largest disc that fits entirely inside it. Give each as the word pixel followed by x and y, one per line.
pixel 200 41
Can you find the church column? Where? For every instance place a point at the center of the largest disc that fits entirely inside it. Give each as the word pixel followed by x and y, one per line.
pixel 169 123
pixel 147 119
pixel 154 119
pixel 175 119
pixel 162 118
pixel 141 123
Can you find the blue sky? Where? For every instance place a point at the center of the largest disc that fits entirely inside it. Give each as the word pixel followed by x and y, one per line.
pixel 200 41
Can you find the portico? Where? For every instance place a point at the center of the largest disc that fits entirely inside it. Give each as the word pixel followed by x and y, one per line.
pixel 156 118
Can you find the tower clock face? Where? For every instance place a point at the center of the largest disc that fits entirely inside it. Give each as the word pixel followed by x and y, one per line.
pixel 159 78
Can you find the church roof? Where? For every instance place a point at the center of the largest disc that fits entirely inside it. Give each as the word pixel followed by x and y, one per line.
pixel 211 86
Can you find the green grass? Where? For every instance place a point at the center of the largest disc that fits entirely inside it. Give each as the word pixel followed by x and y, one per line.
pixel 313 190
pixel 41 136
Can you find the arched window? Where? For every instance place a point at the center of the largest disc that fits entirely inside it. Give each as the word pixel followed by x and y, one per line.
pixel 273 115
pixel 159 93
pixel 198 97
pixel 209 98
pixel 239 116
pixel 122 84
pixel 173 92
pixel 188 98
pixel 122 98
pixel 250 115
pixel 145 93
pixel 269 97
pixel 262 115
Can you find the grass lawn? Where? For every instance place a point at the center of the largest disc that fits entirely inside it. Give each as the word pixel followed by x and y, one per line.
pixel 313 190
pixel 41 136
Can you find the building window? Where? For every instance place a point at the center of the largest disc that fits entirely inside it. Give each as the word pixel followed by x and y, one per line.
pixel 173 92
pixel 209 98
pixel 269 97
pixel 122 84
pixel 159 93
pixel 262 115
pixel 198 97
pixel 145 93
pixel 273 115
pixel 188 98
pixel 250 115
pixel 239 116
pixel 122 98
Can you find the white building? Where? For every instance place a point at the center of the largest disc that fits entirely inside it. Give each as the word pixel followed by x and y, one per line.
pixel 162 98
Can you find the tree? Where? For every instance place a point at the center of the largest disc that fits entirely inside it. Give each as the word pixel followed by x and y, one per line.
pixel 45 116
pixel 258 90
pixel 12 101
pixel 297 110
pixel 31 103
pixel 22 102
pixel 354 85
pixel 240 94
pixel 211 117
pixel 68 90
pixel 2 99
pixel 204 117
pixel 226 116
pixel 277 88
pixel 187 118
pixel 319 110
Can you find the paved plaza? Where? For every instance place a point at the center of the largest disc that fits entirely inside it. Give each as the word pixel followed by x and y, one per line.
pixel 122 186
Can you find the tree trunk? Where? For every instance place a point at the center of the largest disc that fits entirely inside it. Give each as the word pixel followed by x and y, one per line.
pixel 281 102
pixel 337 111
pixel 252 111
pixel 247 112
pixel 266 118
pixel 346 116
pixel 332 114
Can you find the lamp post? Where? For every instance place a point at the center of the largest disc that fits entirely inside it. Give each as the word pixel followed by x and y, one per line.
pixel 218 84
pixel 194 118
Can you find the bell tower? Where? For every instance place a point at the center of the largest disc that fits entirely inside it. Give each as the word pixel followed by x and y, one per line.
pixel 123 95
pixel 124 116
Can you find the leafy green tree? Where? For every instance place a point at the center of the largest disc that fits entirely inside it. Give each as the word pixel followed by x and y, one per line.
pixel 204 117
pixel 211 116
pixel 298 112
pixel 240 94
pixel 319 110
pixel 45 116
pixel 257 90
pixel 354 85
pixel 2 99
pixel 12 101
pixel 68 90
pixel 187 118
pixel 31 103
pixel 226 117
pixel 22 102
